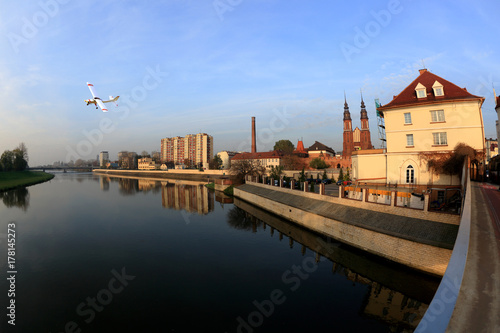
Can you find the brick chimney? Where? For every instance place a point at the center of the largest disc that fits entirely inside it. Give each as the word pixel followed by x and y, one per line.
pixel 254 144
pixel 422 71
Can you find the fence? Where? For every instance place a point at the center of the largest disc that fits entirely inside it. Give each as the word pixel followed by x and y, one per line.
pixel 451 203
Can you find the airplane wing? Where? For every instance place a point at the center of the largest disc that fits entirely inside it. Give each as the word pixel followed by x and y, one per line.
pixel 101 104
pixel 92 90
pixel 96 97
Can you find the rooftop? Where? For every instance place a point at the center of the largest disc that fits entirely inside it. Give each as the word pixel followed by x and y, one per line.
pixel 428 81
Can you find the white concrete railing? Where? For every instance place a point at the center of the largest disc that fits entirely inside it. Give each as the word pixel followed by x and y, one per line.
pixel 438 315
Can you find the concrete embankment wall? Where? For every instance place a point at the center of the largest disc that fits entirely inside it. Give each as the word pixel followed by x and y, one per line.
pixel 420 244
pixel 195 175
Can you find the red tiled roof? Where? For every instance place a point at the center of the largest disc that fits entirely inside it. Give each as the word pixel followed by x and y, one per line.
pixel 408 96
pixel 256 156
pixel 300 148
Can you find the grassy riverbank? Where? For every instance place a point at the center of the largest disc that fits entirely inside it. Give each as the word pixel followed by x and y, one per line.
pixel 12 180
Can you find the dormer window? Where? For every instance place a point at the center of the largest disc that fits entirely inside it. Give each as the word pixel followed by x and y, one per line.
pixel 438 89
pixel 421 91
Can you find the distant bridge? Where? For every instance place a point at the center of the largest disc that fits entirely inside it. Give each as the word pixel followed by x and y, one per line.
pixel 64 168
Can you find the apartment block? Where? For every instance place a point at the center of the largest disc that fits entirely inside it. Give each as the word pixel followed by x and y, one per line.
pixel 192 150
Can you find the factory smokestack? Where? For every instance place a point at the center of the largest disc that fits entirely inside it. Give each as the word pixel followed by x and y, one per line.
pixel 254 144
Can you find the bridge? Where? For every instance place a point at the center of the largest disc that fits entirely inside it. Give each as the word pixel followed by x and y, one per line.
pixel 64 168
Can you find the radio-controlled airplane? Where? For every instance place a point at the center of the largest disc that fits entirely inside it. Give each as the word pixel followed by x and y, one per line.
pixel 97 101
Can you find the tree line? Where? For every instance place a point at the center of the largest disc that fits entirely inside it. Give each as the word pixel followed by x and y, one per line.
pixel 15 160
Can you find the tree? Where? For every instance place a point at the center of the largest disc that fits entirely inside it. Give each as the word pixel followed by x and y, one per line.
pixel 292 162
pixel 286 146
pixel 216 163
pixel 19 163
pixel 7 160
pixel 302 176
pixel 155 155
pixel 276 172
pixel 318 163
pixel 325 176
pixel 24 151
pixel 347 176
pixel 145 154
pixel 241 168
pixel 341 174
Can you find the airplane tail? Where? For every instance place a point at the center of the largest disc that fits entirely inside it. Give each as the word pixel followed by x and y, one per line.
pixel 114 99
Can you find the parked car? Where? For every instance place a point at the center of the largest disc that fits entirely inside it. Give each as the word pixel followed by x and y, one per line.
pixel 326 181
pixel 344 182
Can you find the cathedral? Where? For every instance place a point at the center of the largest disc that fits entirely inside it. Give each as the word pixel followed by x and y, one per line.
pixel 358 138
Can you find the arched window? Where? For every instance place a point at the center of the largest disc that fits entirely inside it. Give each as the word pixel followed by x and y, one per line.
pixel 410 175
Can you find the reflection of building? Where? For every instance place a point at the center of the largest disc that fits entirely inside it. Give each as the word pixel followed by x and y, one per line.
pixel 192 198
pixel 193 149
pixel 147 163
pixel 104 183
pixel 387 305
pixel 395 296
pixel 146 185
pixel 103 158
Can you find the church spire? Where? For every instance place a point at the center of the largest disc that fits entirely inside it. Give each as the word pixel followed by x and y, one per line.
pixel 347 114
pixel 364 114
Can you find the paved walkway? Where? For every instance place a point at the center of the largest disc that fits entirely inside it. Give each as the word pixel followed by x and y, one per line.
pixel 478 303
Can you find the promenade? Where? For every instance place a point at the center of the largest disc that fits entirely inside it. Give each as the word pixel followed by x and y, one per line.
pixel 478 304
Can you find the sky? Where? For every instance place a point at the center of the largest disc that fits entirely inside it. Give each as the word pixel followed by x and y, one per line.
pixel 207 66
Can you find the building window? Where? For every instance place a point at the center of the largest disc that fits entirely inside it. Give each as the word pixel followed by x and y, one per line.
pixel 440 138
pixel 407 118
pixel 410 175
pixel 409 140
pixel 438 89
pixel 421 90
pixel 437 116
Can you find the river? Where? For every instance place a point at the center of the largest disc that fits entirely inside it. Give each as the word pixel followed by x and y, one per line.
pixel 102 254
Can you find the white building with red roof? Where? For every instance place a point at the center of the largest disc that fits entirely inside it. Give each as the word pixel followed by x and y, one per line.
pixel 266 159
pixel 428 118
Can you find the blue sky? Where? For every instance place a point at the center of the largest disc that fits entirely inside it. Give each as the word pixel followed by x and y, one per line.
pixel 185 66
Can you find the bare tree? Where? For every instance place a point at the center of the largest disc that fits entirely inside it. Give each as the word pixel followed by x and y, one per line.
pixel 241 168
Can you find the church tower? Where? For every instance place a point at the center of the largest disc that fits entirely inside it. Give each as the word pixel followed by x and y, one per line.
pixel 348 137
pixel 365 140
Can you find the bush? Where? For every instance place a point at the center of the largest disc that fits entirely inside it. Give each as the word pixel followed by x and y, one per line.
pixel 318 163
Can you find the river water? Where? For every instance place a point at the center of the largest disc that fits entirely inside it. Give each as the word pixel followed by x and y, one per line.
pixel 101 254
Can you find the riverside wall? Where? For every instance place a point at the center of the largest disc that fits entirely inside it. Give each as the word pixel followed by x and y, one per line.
pixel 422 244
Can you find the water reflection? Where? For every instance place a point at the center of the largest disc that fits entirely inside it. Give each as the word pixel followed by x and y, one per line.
pixel 397 296
pixel 189 196
pixel 19 197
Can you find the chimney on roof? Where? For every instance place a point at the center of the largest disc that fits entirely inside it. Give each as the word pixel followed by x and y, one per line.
pixel 422 71
pixel 254 144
